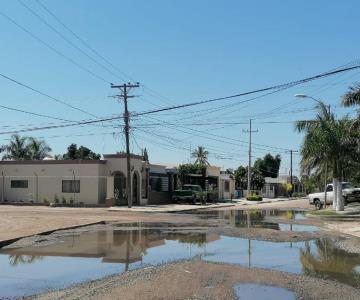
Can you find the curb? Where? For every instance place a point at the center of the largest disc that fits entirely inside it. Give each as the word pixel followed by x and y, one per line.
pixel 10 241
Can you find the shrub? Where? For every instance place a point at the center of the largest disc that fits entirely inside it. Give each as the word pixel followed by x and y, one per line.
pixel 63 200
pixel 253 197
pixel 71 201
pixel 299 195
pixel 46 201
pixel 56 199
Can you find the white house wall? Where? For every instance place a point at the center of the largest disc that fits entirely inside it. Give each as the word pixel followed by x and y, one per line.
pixel 50 178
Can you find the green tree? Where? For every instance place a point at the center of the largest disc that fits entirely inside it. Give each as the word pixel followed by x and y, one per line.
pixel 352 97
pixel 38 149
pixel 25 148
pixel 269 165
pixel 200 155
pixel 257 179
pixel 327 142
pixel 17 149
pixel 241 177
pixel 80 153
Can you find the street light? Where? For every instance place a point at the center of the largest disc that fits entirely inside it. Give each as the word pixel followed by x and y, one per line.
pixel 303 96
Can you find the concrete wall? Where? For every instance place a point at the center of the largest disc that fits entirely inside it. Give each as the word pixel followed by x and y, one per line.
pixel 45 181
pixel 117 163
pixel 223 194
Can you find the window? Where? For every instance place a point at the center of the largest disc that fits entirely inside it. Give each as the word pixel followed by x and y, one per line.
pixel 71 186
pixel 19 184
pixel 227 186
pixel 329 188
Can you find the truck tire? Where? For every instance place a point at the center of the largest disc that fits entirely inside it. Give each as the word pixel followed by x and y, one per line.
pixel 317 204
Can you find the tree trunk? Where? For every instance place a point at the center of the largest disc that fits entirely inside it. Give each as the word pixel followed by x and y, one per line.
pixel 340 198
pixel 335 194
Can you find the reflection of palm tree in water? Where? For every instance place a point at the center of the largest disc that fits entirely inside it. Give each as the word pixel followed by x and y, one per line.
pixel 330 262
pixel 16 259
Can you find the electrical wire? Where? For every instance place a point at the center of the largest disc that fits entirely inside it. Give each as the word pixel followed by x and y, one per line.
pixel 275 87
pixel 46 95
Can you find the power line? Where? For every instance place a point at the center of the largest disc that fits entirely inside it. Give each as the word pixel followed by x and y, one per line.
pixel 275 87
pixel 62 125
pixel 66 39
pixel 53 49
pixel 46 95
pixel 212 136
pixel 146 89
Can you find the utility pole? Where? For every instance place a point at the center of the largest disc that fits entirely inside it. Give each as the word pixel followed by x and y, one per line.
pixel 125 88
pixel 291 170
pixel 249 131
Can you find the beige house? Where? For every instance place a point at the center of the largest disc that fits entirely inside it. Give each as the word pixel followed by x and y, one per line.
pixel 90 182
pixel 96 182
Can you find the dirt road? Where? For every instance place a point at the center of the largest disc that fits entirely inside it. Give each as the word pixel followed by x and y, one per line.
pixel 20 221
pixel 200 280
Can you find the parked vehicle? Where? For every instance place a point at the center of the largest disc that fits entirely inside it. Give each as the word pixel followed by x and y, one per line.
pixel 349 192
pixel 190 193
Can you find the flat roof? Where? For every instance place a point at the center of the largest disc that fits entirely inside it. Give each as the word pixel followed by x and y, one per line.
pixel 122 155
pixel 53 162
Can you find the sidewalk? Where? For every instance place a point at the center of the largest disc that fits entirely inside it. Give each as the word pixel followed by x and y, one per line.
pixel 243 201
pixel 169 208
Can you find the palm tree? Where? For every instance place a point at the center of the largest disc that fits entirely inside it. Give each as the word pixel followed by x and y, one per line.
pixel 38 149
pixel 17 148
pixel 327 142
pixel 201 156
pixel 352 98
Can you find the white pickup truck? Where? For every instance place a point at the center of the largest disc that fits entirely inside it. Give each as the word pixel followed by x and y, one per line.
pixel 349 192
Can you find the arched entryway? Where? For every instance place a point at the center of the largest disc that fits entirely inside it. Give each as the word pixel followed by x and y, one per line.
pixel 135 188
pixel 120 188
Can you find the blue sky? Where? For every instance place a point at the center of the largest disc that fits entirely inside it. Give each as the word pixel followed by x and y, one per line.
pixel 185 51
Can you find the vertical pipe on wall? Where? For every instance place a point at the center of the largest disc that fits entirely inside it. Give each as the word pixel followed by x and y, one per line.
pixel 36 187
pixel 3 187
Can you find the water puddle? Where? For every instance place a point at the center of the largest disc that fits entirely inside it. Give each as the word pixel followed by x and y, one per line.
pixel 249 291
pixel 87 255
pixel 270 219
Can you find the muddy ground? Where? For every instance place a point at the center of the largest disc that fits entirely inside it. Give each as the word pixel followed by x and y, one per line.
pixel 21 221
pixel 182 280
pixel 199 280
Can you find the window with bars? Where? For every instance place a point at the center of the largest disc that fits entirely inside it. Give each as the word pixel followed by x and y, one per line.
pixel 19 184
pixel 71 186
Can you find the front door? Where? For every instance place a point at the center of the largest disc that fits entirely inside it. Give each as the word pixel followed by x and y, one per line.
pixel 135 190
pixel 120 189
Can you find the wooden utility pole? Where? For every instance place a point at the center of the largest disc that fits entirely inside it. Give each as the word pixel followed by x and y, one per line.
pixel 125 88
pixel 250 131
pixel 291 172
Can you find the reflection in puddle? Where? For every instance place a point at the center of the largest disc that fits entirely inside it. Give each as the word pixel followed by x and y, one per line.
pixel 249 291
pixel 259 219
pixel 91 255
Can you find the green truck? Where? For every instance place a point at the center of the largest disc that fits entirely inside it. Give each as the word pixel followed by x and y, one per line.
pixel 190 193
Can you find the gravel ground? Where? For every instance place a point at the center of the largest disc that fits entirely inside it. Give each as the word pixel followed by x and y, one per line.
pixel 351 245
pixel 265 234
pixel 21 221
pixel 199 280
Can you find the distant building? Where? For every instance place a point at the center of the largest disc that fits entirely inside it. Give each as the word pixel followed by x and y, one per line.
pixel 274 187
